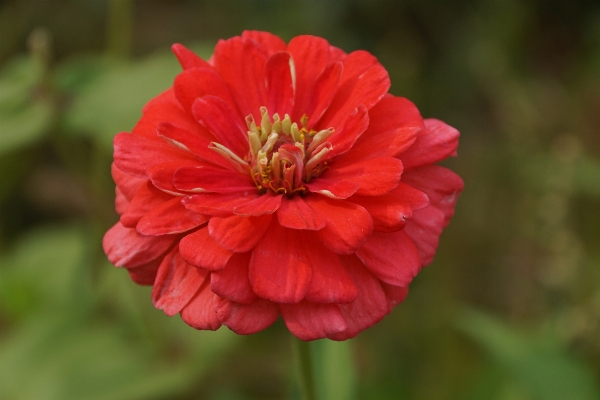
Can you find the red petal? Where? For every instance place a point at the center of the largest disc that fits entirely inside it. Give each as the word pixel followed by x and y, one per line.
pixel 166 108
pixel 220 205
pixel 329 283
pixel 161 175
pixel 200 250
pixel 440 184
pixel 265 204
pixel 375 177
pixel 280 267
pixel 144 274
pixel 187 58
pixel 194 143
pixel 241 63
pixel 176 283
pixel 134 154
pixel 369 307
pixel 280 88
pixel 436 142
pixel 391 257
pixel 309 321
pixel 124 247
pixel 219 118
pixel 270 42
pixel 233 283
pixel 394 123
pixel 332 188
pixel 238 234
pixel 364 81
pixel 354 125
pixel 201 313
pixel 246 319
pixel 121 201
pixel 169 218
pixel 425 228
pixel 127 184
pixel 294 213
pixel 394 294
pixel 310 55
pixel 145 199
pixel 325 87
pixel 390 211
pixel 207 178
pixel 348 224
pixel 195 83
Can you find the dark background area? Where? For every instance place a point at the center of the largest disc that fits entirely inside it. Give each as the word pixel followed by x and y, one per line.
pixel 508 310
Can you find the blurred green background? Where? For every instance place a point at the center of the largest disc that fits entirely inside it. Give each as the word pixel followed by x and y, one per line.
pixel 509 309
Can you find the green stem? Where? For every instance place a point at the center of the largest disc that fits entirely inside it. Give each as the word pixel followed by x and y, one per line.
pixel 302 352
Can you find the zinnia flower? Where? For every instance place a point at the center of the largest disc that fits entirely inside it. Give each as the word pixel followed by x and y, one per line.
pixel 280 179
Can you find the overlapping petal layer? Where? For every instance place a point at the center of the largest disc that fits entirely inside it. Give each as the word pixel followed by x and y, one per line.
pixel 280 180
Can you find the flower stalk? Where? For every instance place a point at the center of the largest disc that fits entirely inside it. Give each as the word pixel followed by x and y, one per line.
pixel 304 362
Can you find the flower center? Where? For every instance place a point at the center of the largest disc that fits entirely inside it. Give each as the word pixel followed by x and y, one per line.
pixel 282 156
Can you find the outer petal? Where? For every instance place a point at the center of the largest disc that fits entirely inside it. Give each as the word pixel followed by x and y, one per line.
pixel 391 257
pixel 364 81
pixel 295 213
pixel 176 283
pixel 201 250
pixel 169 218
pixel 144 274
pixel 436 142
pixel 232 282
pixel 394 123
pixel 238 234
pixel 375 177
pixel 134 154
pixel 241 63
pixel 267 40
pixel 369 307
pixel 394 294
pixel 245 319
pixel 200 312
pixel 281 276
pixel 332 188
pixel 145 199
pixel 161 175
pixel 196 83
pixel 207 178
pixel 425 228
pixel 222 121
pixel 354 125
pixel 391 211
pixel 187 58
pixel 246 203
pixel 311 55
pixel 127 184
pixel 440 184
pixel 310 321
pixel 125 247
pixel 348 224
pixel 280 85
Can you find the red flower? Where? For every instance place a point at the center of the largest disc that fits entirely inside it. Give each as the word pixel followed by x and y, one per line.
pixel 284 180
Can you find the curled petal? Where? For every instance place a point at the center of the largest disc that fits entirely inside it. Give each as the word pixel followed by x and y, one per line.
pixel 271 43
pixel 309 321
pixel 391 257
pixel 187 58
pixel 128 185
pixel 200 250
pixel 238 234
pixel 245 319
pixel 375 177
pixel 347 224
pixel 144 274
pixel 145 199
pixel 436 142
pixel 280 85
pixel 333 188
pixel 201 312
pixel 281 276
pixel 169 218
pixel 125 247
pixel 176 283
pixel 232 282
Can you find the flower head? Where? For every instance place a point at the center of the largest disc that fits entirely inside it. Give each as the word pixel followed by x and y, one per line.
pixel 280 180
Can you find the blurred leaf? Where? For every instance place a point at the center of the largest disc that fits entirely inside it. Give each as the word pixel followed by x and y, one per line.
pixel 542 367
pixel 23 118
pixel 334 369
pixel 113 102
pixel 41 268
